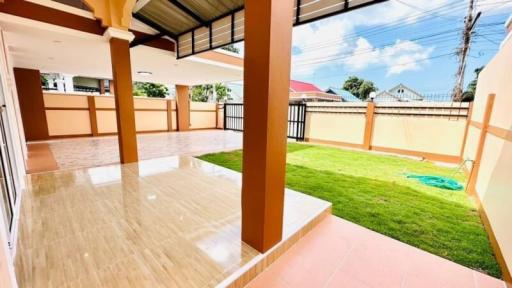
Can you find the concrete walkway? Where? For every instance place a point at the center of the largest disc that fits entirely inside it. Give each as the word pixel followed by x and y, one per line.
pixel 338 253
pixel 98 151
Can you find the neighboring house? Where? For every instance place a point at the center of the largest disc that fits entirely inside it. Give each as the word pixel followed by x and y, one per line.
pixel 345 95
pixel 70 83
pixel 400 93
pixel 307 92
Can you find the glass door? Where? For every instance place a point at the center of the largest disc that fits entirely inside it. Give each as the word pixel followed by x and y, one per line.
pixel 7 177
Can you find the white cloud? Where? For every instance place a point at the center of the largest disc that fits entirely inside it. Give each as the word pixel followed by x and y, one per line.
pixel 363 55
pixel 315 43
pixel 329 42
pixel 400 57
pixel 388 12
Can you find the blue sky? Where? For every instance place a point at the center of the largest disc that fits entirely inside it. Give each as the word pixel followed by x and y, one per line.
pixel 399 41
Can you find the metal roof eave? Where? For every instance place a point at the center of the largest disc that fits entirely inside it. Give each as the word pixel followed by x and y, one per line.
pixel 227 28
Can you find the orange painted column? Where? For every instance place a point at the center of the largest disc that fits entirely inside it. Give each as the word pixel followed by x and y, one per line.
pixel 268 32
pixel 101 83
pixel 125 112
pixel 368 130
pixel 183 107
pixel 466 130
pixel 30 97
pixel 473 176
pixel 92 115
pixel 169 115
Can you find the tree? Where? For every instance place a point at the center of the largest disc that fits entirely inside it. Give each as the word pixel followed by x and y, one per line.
pixel 150 90
pixel 44 81
pixel 200 93
pixel 223 92
pixel 469 94
pixel 205 93
pixel 359 87
pixel 231 48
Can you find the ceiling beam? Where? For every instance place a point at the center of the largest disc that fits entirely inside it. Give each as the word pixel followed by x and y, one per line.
pixel 139 5
pixel 146 39
pixel 189 12
pixel 155 26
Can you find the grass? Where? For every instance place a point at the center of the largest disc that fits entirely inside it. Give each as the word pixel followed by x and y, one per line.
pixel 372 191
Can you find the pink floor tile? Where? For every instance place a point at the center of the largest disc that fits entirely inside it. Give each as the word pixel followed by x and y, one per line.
pixel 338 253
pixel 342 280
pixel 485 281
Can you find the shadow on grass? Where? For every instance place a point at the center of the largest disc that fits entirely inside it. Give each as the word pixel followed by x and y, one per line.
pixel 442 227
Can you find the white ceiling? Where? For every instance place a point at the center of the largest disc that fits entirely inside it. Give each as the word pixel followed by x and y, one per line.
pixel 55 49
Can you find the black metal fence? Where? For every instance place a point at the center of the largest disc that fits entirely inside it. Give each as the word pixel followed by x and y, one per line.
pixel 296 121
pixel 234 116
pixel 234 119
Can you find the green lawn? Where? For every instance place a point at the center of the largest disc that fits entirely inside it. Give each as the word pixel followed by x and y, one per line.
pixel 372 190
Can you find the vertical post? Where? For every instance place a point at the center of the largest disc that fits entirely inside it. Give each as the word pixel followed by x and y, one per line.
pixel 31 100
pixel 473 176
pixel 224 116
pixel 216 115
pixel 183 107
pixel 125 112
pixel 268 31
pixel 169 115
pixel 368 130
pixel 111 87
pixel 101 82
pixel 466 130
pixel 92 115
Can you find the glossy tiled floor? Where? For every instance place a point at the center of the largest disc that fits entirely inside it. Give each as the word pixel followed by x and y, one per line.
pixel 338 253
pixel 98 151
pixel 165 222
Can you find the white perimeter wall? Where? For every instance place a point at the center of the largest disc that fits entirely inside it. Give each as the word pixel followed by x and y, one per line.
pixel 494 182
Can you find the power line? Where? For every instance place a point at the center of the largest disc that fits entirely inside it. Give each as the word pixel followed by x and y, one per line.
pixel 396 65
pixel 440 37
pixel 463 51
pixel 397 24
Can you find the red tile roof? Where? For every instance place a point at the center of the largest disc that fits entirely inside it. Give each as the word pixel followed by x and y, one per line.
pixel 298 86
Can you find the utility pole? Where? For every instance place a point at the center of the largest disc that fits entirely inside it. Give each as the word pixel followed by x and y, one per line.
pixel 463 50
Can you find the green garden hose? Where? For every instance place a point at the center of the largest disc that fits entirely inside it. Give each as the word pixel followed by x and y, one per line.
pixel 438 181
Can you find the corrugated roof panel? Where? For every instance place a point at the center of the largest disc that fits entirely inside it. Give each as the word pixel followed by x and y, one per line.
pixel 310 9
pixel 185 44
pixel 223 20
pixel 208 10
pixel 239 26
pixel 221 32
pixel 165 14
pixel 201 39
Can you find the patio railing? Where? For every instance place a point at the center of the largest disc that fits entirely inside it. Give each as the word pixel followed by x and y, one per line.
pixel 234 119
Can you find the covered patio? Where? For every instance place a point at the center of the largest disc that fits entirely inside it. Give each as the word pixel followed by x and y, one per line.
pixel 165 222
pixel 86 152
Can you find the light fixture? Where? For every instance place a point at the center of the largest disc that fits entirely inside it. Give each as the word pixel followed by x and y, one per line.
pixel 144 73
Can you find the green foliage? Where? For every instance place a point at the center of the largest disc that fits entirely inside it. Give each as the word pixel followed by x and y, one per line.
pixel 204 93
pixel 150 90
pixel 44 81
pixel 359 87
pixel 469 94
pixel 372 191
pixel 231 48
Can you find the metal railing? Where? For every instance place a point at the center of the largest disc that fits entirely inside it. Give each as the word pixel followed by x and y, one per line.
pixel 234 119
